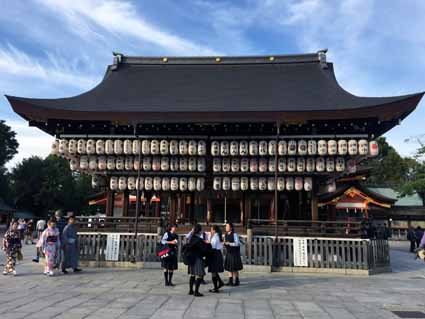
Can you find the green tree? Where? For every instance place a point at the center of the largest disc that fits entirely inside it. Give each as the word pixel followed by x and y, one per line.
pixel 415 182
pixel 8 143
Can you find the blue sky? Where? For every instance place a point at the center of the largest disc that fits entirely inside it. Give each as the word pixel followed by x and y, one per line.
pixel 57 48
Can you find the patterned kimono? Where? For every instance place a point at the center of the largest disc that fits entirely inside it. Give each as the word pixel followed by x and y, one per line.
pixel 50 243
pixel 11 246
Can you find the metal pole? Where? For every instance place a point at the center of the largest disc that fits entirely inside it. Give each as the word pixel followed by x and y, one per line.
pixel 136 224
pixel 275 178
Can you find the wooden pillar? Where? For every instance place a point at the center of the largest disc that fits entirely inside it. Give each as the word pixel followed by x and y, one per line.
pixel 247 215
pixel 179 208
pixel 172 201
pixel 271 209
pixel 157 209
pixel 314 207
pixel 125 203
pixel 109 209
pixel 210 216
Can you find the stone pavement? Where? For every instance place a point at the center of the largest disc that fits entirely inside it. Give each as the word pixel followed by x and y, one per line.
pixel 113 293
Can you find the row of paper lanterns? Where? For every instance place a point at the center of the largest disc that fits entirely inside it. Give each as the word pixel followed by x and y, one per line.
pixel 156 183
pixel 262 183
pixel 223 148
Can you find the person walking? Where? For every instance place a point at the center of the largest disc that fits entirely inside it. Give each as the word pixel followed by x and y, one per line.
pixel 70 247
pixel 411 237
pixel 28 232
pixel 22 225
pixel 60 225
pixel 419 234
pixel 12 247
pixel 198 249
pixel 50 244
pixel 169 264
pixel 215 260
pixel 233 261
pixel 40 227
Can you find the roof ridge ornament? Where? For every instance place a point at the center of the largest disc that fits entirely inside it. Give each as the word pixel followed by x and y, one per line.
pixel 117 60
pixel 322 58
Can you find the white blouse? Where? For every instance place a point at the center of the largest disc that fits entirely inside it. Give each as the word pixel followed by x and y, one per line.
pixel 216 243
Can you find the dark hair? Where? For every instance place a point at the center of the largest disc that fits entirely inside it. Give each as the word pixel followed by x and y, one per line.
pixel 232 228
pixel 217 229
pixel 171 226
pixel 51 221
pixel 197 229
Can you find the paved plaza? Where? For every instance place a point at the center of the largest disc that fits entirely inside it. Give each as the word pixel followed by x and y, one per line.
pixel 113 293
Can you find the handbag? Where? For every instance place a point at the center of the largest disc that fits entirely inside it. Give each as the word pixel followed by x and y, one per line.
pixel 164 253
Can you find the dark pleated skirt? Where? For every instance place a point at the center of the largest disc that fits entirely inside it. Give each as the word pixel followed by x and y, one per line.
pixel 233 261
pixel 215 262
pixel 197 269
pixel 169 263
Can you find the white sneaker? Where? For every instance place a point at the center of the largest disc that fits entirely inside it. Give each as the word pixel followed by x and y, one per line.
pixel 51 274
pixel 14 273
pixel 4 272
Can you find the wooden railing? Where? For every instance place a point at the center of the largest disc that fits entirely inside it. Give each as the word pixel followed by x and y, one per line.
pixel 118 224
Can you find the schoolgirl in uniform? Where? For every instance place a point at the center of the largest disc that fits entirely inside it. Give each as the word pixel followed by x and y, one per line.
pixel 233 262
pixel 198 250
pixel 215 260
pixel 169 264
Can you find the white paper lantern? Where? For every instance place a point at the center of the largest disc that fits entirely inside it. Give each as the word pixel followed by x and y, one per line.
pixel 128 147
pixel 164 147
pixel 174 164
pixel 129 165
pixel 183 147
pixel 183 164
pixel 320 164
pixel 140 183
pixel 55 148
pixel 148 183
pixel 262 148
pixel 289 185
pixel 109 147
pixel 225 183
pixel 312 147
pixel 262 183
pixel 63 146
pixel 331 187
pixel 310 165
pixel 201 164
pixel 101 163
pixel 281 164
pixel 224 148
pixel 91 147
pixel 291 165
pixel 146 147
pixel 272 148
pixel 174 184
pixel 157 183
pixel 165 184
pixel 253 165
pixel 253 148
pixel 243 148
pixel 100 147
pixel 192 164
pixel 236 186
pixel 183 184
pixel 282 148
pixel 120 163
pixel 225 165
pixel 272 165
pixel 280 184
pixel 244 183
pixel 131 183
pixel 174 147
pixel 271 184
pixel 92 163
pixel 262 165
pixel 217 183
pixel 234 148
pixel 332 147
pixel 81 146
pixel 216 164
pixel 253 183
pixel 200 184
pixel 352 147
pixel 122 183
pixel 308 184
pixel 136 147
pixel 215 148
pixel 330 164
pixel 165 163
pixel 342 147
pixel 300 164
pixel 302 147
pixel 322 147
pixel 154 147
pixel 193 148
pixel 84 162
pixel 202 148
pixel 72 147
pixel 340 164
pixel 156 163
pixel 244 164
pixel 74 164
pixel 299 183
pixel 110 163
pixel 373 148
pixel 95 181
pixel 292 147
pixel 363 147
pixel 147 163
pixel 235 165
pixel 118 147
pixel 137 163
pixel 113 183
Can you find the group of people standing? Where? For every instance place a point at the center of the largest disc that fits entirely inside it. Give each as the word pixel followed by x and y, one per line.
pixel 415 236
pixel 202 251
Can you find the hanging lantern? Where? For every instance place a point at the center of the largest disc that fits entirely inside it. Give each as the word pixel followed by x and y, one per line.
pixel 217 183
pixel 122 183
pixel 165 163
pixel 100 147
pixel 147 163
pixel 224 148
pixel 73 164
pixel 215 148
pixel 118 147
pixel 174 147
pixel 236 186
pixel 270 184
pixel 183 147
pixel 342 147
pixel 91 147
pixel 281 164
pixel 272 148
pixel 262 166
pixel 110 164
pixel 164 147
pixel 262 183
pixel 148 183
pixel 292 164
pixel 55 148
pixel 81 146
pixel 146 147
pixel 373 148
pixel 183 164
pixel 193 148
pixel 226 183
pixel 289 183
pixel 128 147
pixel 244 164
pixel 292 147
pixel 340 164
pixel 280 184
pixel 202 148
pixel 310 165
pixel 235 164
pixel 253 165
pixel 308 184
pixel 92 163
pixel 72 147
pixel 136 147
pixel 253 183
pixel 234 148
pixel 131 183
pixel 298 183
pixel 165 184
pixel 332 147
pixel 119 163
pixel 282 148
pixel 109 147
pixel 351 166
pixel 302 147
pixel 352 147
pixel 95 181
pixel 174 183
pixel 101 163
pixel 84 162
pixel 300 164
pixel 253 148
pixel 322 147
pixel 200 184
pixel 331 187
pixel 174 164
pixel 140 183
pixel 128 164
pixel 136 163
pixel 154 147
pixel 312 147
pixel 63 146
pixel 156 163
pixel 244 183
pixel 225 165
pixel 330 164
pixel 243 148
pixel 262 148
pixel 320 164
pixel 363 147
pixel 216 164
pixel 192 163
pixel 157 183
pixel 272 165
pixel 201 164
pixel 113 183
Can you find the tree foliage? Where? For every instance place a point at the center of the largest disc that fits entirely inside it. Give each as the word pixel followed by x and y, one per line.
pixel 415 182
pixel 8 143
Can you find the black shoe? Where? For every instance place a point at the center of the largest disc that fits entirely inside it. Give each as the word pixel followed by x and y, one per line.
pixel 64 271
pixel 220 282
pixel 230 282
pixel 198 294
pixel 197 284
pixel 237 282
pixel 191 282
pixel 170 278
pixel 78 270
pixel 166 278
pixel 35 260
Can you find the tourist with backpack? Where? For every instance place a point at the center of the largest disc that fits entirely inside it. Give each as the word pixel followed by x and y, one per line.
pixel 215 260
pixel 169 263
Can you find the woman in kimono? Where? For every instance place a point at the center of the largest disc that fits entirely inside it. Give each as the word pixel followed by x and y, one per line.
pixel 70 247
pixel 233 262
pixel 198 248
pixel 169 264
pixel 11 246
pixel 50 244
pixel 215 260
